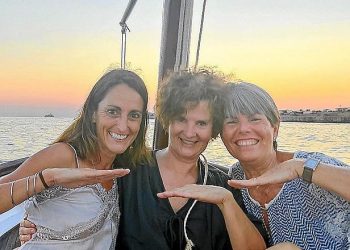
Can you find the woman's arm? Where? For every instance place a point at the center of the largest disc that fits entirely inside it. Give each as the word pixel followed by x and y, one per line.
pixel 15 192
pixel 332 178
pixel 242 233
pixel 58 155
pixel 327 176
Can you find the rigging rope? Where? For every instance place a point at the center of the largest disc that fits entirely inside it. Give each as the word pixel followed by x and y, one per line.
pixel 123 46
pixel 200 35
pixel 125 28
pixel 189 242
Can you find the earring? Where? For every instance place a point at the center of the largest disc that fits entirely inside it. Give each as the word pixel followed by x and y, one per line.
pixel 274 143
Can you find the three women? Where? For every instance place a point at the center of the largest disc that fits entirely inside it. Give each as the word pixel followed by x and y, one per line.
pixel 249 132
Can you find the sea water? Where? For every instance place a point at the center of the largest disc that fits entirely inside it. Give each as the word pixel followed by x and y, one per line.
pixel 23 136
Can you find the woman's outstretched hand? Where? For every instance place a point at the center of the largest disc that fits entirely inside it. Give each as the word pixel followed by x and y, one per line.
pixel 281 173
pixel 205 193
pixel 76 177
pixel 242 233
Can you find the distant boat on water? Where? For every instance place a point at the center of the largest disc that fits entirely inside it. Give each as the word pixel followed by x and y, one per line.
pixel 49 115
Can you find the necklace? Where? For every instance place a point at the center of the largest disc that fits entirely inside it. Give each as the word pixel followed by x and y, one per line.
pixel 93 164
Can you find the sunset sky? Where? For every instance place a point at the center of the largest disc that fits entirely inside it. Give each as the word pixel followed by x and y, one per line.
pixel 53 51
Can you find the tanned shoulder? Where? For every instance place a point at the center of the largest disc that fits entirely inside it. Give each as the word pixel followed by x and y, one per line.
pixel 58 155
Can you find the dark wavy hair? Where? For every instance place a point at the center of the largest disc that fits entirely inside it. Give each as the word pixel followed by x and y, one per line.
pixel 81 134
pixel 184 90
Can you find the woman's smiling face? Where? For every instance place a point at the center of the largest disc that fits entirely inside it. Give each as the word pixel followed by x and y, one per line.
pixel 191 132
pixel 248 138
pixel 118 119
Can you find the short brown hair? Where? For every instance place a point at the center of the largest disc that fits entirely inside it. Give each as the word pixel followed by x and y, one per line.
pixel 183 90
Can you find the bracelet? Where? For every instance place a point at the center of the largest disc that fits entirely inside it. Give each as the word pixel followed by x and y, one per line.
pixel 42 179
pixel 27 180
pixel 34 183
pixel 11 192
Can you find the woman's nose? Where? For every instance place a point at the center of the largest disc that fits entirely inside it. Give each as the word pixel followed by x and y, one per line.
pixel 189 130
pixel 243 126
pixel 122 123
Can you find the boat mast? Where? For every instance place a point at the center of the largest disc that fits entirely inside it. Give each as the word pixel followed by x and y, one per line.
pixel 175 49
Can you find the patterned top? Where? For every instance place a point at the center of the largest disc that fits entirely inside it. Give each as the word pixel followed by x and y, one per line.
pixel 306 215
pixel 74 218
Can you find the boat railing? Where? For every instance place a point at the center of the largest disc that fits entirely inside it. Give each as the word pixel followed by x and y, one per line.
pixel 10 166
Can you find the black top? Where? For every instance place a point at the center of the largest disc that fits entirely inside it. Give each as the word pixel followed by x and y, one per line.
pixel 148 222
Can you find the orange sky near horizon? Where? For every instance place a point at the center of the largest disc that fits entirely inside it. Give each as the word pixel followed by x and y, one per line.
pixel 51 56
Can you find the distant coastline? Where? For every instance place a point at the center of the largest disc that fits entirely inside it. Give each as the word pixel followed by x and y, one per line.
pixel 339 115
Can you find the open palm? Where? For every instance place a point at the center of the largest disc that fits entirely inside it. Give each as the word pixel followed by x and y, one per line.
pixel 205 193
pixel 76 177
pixel 281 173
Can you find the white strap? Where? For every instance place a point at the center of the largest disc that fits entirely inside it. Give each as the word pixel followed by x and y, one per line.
pixel 76 156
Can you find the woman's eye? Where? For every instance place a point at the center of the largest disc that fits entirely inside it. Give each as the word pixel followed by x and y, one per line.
pixel 255 119
pixel 112 112
pixel 202 124
pixel 135 115
pixel 180 119
pixel 231 121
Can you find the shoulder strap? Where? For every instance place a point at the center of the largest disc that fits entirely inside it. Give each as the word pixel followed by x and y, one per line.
pixel 76 155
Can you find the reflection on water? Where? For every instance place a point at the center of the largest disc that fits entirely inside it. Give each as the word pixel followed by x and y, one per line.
pixel 23 136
